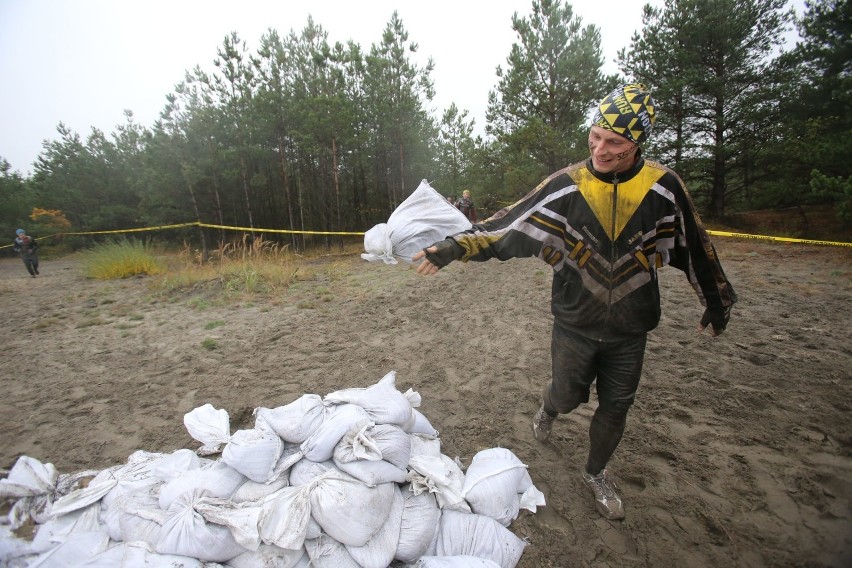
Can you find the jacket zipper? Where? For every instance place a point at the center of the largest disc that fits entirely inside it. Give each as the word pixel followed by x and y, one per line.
pixel 612 246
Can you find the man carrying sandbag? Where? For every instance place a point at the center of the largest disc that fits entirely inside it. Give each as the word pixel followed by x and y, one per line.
pixel 605 225
pixel 26 246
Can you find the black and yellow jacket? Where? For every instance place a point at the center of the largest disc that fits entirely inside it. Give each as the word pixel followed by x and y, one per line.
pixel 605 236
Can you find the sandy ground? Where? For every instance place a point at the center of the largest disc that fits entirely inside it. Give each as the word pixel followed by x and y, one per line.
pixel 737 451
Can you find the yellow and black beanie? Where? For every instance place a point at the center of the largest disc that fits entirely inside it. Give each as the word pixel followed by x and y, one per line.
pixel 628 111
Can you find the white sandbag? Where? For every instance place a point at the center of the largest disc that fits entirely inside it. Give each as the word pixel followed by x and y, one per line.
pixel 441 476
pixel 306 471
pixel 414 398
pixel 469 534
pixel 325 552
pixel 174 464
pixel 135 474
pixel 242 520
pixel 73 552
pixel 28 478
pixel 319 446
pixel 419 424
pixel 135 554
pixel 381 548
pixel 372 473
pixel 209 426
pixel 254 453
pixel 217 478
pixel 312 529
pixel 290 454
pixel 374 453
pixel 271 556
pixel 251 491
pixel 127 504
pixel 284 517
pixel 186 533
pixel 296 421
pixel 348 510
pixel 81 498
pixel 422 219
pixel 418 526
pixel 62 528
pixel 494 483
pixel 140 518
pixel 454 562
pixel 382 401
pixel 32 484
pixel 13 550
pixel 424 445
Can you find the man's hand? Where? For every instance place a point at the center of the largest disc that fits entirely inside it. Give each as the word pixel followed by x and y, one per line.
pixel 716 317
pixel 426 268
pixel 437 256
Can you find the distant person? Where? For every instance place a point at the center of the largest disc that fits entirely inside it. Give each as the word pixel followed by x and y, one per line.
pixel 465 205
pixel 605 225
pixel 26 246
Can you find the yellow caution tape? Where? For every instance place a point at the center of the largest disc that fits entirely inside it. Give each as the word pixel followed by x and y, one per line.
pixel 779 239
pixel 157 228
pixel 346 233
pixel 198 224
pixel 287 231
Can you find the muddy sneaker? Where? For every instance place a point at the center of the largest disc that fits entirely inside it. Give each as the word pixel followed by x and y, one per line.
pixel 607 500
pixel 542 422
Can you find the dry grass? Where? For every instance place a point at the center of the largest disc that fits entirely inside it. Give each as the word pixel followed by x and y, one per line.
pixel 248 269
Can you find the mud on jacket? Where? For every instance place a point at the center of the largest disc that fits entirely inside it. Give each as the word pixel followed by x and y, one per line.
pixel 605 236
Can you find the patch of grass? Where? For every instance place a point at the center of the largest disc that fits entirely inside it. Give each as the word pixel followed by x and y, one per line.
pixel 46 322
pixel 136 317
pixel 210 344
pixel 214 324
pixel 90 322
pixel 199 304
pixel 239 270
pixel 119 259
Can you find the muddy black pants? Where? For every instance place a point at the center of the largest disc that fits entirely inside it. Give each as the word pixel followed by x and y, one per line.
pixel 578 361
pixel 31 262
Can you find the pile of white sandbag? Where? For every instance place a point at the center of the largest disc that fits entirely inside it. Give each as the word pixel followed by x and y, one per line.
pixel 354 479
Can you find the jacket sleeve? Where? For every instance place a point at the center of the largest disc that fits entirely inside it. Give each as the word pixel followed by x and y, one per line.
pixel 696 256
pixel 499 236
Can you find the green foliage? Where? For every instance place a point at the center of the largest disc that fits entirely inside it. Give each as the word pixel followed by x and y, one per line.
pixel 552 80
pixel 119 259
pixel 711 69
pixel 210 344
pixel 306 134
pixel 838 190
pixel 16 202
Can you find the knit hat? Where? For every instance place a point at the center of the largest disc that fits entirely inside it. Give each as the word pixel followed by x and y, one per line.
pixel 628 111
pixel 20 232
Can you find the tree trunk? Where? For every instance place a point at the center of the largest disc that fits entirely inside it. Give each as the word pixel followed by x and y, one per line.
pixel 204 251
pixel 285 178
pixel 717 192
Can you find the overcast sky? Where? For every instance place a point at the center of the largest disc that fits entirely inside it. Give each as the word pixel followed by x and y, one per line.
pixel 83 62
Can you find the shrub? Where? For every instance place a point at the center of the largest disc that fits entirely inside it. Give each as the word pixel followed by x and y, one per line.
pixel 119 259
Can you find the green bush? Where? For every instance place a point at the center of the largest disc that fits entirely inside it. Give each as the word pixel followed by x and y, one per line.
pixel 838 189
pixel 119 259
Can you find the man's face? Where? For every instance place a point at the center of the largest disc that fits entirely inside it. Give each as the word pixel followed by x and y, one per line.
pixel 611 152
